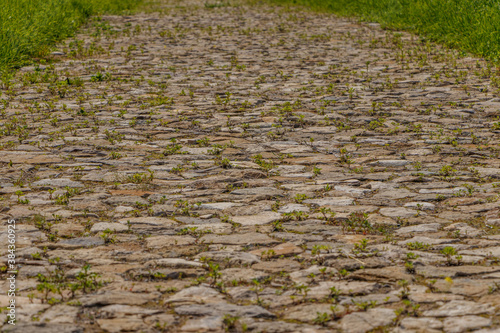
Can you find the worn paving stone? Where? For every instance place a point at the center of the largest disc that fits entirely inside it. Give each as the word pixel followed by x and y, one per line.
pixel 465 323
pixel 255 161
pixel 366 321
pixel 458 308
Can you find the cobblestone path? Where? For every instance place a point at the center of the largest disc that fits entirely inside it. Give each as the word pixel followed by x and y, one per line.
pixel 252 169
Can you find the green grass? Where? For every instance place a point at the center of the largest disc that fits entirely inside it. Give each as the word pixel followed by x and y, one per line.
pixel 469 25
pixel 28 28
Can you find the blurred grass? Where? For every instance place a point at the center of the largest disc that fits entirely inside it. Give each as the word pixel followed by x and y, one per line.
pixel 28 28
pixel 469 25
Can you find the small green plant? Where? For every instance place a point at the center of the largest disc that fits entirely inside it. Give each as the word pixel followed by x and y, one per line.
pixel 295 215
pixel 361 246
pixel 447 171
pixel 108 236
pixel 87 281
pixel 365 305
pixel 230 322
pixel 449 252
pixel 299 198
pixel 334 294
pixel 321 318
pixel 213 273
pixel 115 156
pixel 405 288
pixel 328 214
pixel 141 177
pixel 265 165
pixel 418 246
pixel 357 223
pixel 345 157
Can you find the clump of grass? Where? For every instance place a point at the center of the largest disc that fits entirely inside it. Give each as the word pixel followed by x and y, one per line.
pixel 472 26
pixel 28 28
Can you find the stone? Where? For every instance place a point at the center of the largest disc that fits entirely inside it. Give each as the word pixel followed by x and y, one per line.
pixel 276 266
pixel 262 191
pixel 218 205
pixel 382 274
pixel 260 219
pixel 231 258
pixel 365 321
pixel 245 275
pixel 102 226
pixel 309 312
pixel 196 295
pixel 57 182
pixel 323 289
pixel 339 201
pixel 205 324
pixel 167 241
pixel 242 239
pixel 283 249
pixel 219 309
pixel 420 205
pixel 428 240
pixel 465 323
pixel 459 308
pixel 397 212
pixel 43 328
pixel 82 242
pixel 419 152
pixel 116 325
pixel 393 163
pixel 173 263
pixel 421 228
pixel 454 271
pixel 60 314
pixel 410 323
pixel 120 311
pixel 303 276
pixel 117 297
pixel 433 297
pixel 289 208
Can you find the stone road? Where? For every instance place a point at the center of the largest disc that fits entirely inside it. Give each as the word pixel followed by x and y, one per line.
pixel 245 168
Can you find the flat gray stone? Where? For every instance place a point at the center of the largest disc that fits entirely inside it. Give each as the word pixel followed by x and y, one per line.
pixel 292 207
pixel 43 328
pixel 459 308
pixel 218 205
pixel 260 219
pixel 361 322
pixel 196 295
pixel 266 191
pixel 465 323
pixel 252 238
pixel 331 201
pixel 393 163
pixel 410 323
pixel 428 227
pixel 205 324
pixel 83 241
pixel 397 212
pixel 118 297
pixel 220 309
pixel 231 258
pixel 58 182
pixel 101 226
pixel 420 205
